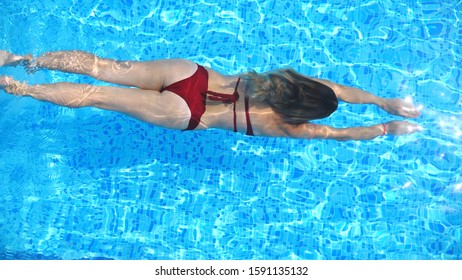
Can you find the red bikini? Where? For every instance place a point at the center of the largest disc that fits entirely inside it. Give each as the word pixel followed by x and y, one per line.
pixel 194 90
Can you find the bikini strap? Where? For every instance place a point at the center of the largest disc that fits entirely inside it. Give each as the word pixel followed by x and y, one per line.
pixel 247 117
pixel 222 97
pixel 226 98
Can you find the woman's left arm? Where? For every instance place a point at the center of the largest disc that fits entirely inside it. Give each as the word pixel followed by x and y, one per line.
pixel 398 107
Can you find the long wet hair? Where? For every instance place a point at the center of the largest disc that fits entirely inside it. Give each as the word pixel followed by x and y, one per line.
pixel 296 98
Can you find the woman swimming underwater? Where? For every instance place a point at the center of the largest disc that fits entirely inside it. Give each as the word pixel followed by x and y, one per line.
pixel 180 94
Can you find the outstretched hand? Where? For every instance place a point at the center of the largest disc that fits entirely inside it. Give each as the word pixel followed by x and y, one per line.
pixel 400 107
pixel 402 127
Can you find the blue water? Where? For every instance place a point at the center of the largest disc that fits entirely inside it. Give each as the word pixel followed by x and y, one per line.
pixel 91 184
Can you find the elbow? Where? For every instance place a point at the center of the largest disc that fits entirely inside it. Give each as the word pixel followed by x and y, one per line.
pixel 339 91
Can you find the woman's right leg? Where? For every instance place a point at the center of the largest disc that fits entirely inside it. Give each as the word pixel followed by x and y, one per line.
pixel 166 110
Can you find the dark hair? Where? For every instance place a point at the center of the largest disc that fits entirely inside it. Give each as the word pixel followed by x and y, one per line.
pixel 296 98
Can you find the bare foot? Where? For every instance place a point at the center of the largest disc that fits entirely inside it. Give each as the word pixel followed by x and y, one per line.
pixel 10 59
pixel 5 81
pixel 12 86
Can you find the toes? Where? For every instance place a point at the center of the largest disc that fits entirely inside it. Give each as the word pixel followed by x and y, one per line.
pixel 10 85
pixel 5 81
pixel 10 59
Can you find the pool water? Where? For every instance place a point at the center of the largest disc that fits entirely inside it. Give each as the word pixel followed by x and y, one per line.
pixel 91 184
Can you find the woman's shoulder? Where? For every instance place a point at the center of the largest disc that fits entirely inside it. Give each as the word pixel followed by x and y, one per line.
pixel 266 122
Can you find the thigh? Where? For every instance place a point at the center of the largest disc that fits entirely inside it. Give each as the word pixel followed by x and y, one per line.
pixel 150 75
pixel 163 109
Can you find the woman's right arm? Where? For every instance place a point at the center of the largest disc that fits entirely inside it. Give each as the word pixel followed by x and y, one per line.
pixel 314 131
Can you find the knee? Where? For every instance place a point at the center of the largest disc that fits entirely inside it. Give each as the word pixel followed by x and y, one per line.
pixel 90 96
pixel 79 95
pixel 102 68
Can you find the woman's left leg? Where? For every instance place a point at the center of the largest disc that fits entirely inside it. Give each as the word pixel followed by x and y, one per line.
pixel 141 74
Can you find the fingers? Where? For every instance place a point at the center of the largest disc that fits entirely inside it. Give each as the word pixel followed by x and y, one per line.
pixel 412 128
pixel 403 127
pixel 402 107
pixel 410 111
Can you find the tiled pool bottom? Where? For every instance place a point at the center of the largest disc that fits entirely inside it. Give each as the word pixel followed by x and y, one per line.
pixel 262 203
